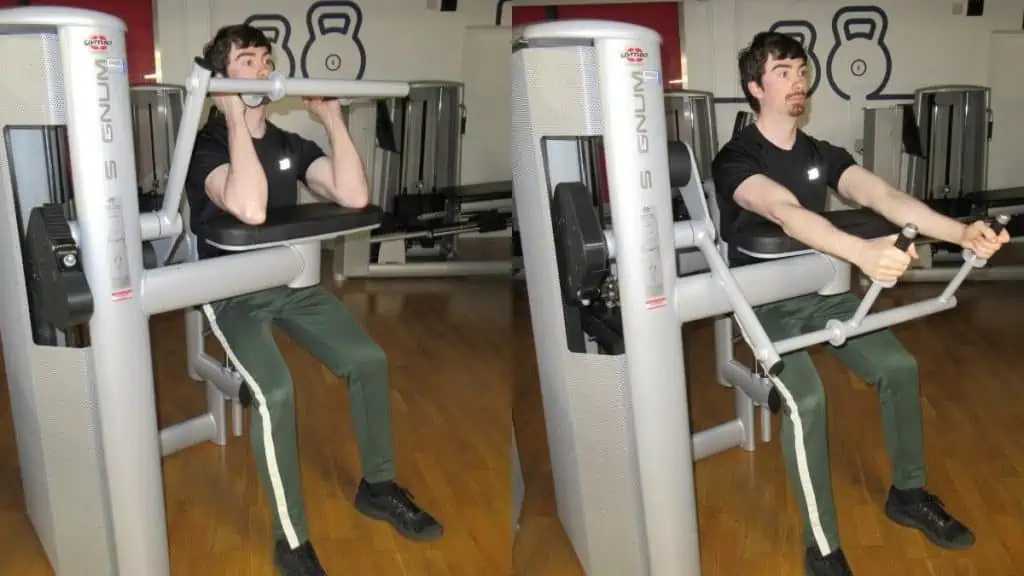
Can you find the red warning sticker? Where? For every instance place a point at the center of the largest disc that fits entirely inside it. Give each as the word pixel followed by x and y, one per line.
pixel 98 43
pixel 653 303
pixel 634 55
pixel 119 295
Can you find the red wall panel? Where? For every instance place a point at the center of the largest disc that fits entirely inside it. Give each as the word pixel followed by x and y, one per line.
pixel 136 14
pixel 662 17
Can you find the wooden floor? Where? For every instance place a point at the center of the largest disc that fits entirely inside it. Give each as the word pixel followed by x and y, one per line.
pixel 451 377
pixel 972 369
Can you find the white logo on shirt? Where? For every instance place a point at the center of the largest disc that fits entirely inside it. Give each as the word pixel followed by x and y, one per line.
pixel 813 174
pixel 284 164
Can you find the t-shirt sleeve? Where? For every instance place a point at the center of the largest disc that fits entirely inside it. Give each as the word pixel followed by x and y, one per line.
pixel 306 152
pixel 838 160
pixel 209 152
pixel 733 165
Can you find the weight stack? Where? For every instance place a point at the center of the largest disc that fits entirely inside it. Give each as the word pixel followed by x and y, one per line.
pixel 419 141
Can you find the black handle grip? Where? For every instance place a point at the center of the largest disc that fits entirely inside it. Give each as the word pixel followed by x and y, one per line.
pixel 1000 224
pixel 906 237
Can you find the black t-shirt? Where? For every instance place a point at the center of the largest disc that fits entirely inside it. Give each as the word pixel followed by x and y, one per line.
pixel 284 156
pixel 807 170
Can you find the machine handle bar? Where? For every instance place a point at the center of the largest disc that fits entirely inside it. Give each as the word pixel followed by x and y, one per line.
pixel 836 332
pixel 278 86
pixel 903 243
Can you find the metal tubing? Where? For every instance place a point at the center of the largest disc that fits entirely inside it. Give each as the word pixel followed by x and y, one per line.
pixel 750 326
pixel 1013 273
pixel 441 269
pixel 191 432
pixel 971 261
pixel 742 377
pixel 220 376
pixel 701 296
pixel 877 321
pixel 167 221
pixel 102 169
pixel 684 235
pixel 717 439
pixel 866 303
pixel 183 285
pixel 280 86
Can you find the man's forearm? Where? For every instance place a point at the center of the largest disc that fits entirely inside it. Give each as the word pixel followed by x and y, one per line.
pixel 902 209
pixel 350 186
pixel 818 233
pixel 245 192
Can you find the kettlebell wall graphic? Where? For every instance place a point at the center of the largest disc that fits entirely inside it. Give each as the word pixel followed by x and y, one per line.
pixel 804 33
pixel 333 48
pixel 859 57
pixel 858 64
pixel 279 32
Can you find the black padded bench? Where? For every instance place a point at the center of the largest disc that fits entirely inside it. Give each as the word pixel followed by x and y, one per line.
pixel 291 223
pixel 768 239
pixel 484 192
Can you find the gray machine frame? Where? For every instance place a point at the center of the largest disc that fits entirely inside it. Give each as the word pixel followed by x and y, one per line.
pixel 428 127
pixel 622 450
pixel 84 407
pixel 953 124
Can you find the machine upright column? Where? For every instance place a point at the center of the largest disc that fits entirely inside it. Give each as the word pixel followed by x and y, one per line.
pixel 636 153
pixel 102 160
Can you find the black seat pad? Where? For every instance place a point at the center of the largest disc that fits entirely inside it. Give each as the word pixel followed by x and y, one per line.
pixel 998 198
pixel 483 192
pixel 768 238
pixel 291 223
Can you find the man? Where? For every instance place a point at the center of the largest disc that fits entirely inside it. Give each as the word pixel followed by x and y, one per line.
pixel 773 171
pixel 246 166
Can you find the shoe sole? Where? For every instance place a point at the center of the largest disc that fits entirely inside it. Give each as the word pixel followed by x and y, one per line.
pixel 908 522
pixel 374 514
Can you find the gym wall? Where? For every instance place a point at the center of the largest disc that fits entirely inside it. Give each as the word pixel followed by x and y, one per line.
pixel 885 50
pixel 137 14
pixel 895 46
pixel 365 39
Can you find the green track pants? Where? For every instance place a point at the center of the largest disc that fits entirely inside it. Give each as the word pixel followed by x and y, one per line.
pixel 877 358
pixel 315 319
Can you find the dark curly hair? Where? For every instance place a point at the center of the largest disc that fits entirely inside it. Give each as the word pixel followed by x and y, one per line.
pixel 753 59
pixel 217 51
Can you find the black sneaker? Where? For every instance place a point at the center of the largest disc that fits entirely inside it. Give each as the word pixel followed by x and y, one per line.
pixel 927 513
pixel 394 505
pixel 832 565
pixel 301 561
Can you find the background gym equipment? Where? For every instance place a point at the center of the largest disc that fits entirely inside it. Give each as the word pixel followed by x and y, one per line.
pixel 936 150
pixel 76 296
pixel 621 446
pixel 156 114
pixel 417 179
pixel 690 118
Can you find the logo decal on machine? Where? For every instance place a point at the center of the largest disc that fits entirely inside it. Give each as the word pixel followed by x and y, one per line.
pixel 634 55
pixel 98 43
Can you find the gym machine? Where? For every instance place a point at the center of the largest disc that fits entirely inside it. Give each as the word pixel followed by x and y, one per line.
pixel 936 150
pixel 417 180
pixel 606 304
pixel 77 298
pixel 156 114
pixel 690 118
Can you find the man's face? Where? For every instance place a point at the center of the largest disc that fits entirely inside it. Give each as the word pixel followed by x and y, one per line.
pixel 783 89
pixel 249 63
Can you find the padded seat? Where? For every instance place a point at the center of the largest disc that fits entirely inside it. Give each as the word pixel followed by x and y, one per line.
pixel 999 198
pixel 483 192
pixel 299 222
pixel 768 239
